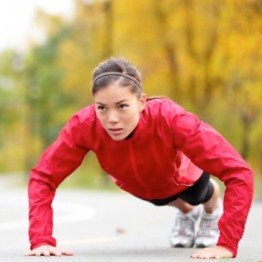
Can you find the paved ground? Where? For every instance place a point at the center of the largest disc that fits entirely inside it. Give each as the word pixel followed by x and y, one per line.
pixel 100 226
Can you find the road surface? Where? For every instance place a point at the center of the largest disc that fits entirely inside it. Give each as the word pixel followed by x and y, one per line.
pixel 107 226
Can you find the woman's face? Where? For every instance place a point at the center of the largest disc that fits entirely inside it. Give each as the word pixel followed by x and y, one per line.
pixel 118 110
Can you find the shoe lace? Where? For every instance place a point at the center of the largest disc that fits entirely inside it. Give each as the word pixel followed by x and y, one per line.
pixel 207 225
pixel 184 225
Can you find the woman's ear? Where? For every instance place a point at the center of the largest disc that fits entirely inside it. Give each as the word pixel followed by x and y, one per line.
pixel 142 102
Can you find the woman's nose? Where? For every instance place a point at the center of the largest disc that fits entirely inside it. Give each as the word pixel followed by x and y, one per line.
pixel 113 117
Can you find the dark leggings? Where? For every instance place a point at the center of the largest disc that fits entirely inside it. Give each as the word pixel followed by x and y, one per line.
pixel 196 194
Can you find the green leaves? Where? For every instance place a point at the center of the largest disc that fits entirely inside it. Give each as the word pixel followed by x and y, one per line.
pixel 204 54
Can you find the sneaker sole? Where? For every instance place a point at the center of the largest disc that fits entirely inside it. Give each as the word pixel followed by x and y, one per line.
pixel 200 246
pixel 181 246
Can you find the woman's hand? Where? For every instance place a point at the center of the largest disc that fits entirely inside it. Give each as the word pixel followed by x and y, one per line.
pixel 47 250
pixel 213 252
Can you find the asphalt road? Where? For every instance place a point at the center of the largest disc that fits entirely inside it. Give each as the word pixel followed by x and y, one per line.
pixel 106 226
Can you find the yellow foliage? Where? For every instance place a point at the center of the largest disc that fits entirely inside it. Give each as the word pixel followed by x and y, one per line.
pixel 201 53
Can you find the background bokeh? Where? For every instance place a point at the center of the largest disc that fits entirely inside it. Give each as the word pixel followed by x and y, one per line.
pixel 206 55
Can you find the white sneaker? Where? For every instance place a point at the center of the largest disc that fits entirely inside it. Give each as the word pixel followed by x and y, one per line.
pixel 183 232
pixel 208 232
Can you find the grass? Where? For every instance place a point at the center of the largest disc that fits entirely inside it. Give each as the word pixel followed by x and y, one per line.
pixel 95 180
pixel 258 188
pixel 90 175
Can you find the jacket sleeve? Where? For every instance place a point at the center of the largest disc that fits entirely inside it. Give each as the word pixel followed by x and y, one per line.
pixel 56 163
pixel 212 153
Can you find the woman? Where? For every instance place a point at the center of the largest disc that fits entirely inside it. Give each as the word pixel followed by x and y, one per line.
pixel 154 150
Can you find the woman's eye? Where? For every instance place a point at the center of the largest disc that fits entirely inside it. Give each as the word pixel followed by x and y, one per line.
pixel 101 108
pixel 123 106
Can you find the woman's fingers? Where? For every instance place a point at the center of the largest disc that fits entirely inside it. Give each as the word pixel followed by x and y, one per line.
pixel 47 250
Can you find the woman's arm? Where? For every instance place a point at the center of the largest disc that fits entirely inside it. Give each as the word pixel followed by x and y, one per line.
pixel 212 153
pixel 56 163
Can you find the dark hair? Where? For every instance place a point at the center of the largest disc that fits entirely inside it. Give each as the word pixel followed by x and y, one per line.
pixel 125 73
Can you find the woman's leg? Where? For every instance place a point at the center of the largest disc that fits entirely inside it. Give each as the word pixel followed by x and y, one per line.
pixel 207 192
pixel 213 203
pixel 182 205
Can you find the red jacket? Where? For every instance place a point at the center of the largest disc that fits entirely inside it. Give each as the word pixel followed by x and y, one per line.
pixel 166 154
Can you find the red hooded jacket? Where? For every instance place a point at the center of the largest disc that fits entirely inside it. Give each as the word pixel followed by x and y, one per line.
pixel 168 152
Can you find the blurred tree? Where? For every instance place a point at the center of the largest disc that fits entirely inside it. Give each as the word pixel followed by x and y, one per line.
pixel 194 52
pixel 242 69
pixel 205 55
pixel 43 90
pixel 12 112
pixel 185 49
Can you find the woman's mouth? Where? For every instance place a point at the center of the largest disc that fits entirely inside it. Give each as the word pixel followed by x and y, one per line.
pixel 115 131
